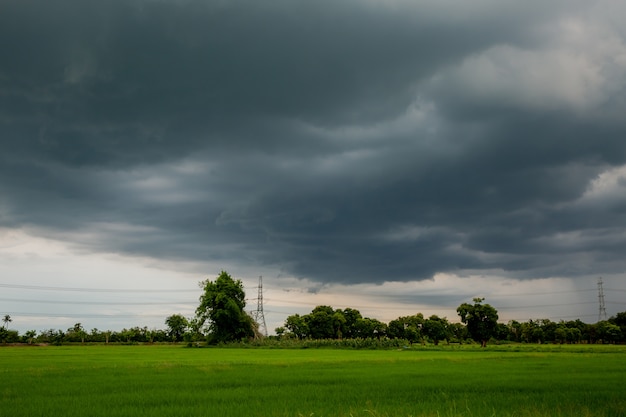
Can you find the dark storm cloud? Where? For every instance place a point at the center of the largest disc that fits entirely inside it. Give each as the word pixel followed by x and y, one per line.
pixel 354 141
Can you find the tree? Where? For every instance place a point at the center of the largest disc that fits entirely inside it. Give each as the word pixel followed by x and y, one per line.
pixel 4 331
pixel 367 328
pixel 177 326
pixel 280 331
pixel 76 333
pixel 481 320
pixel 458 332
pixel 7 319
pixel 322 322
pixel 222 306
pixel 195 330
pixel 352 317
pixel 436 328
pixel 409 328
pixel 515 330
pixel 560 334
pixel 620 320
pixel 608 332
pixel 297 325
pixel 29 336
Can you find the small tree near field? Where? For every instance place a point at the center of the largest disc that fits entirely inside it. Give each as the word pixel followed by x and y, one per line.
pixel 177 326
pixel 481 320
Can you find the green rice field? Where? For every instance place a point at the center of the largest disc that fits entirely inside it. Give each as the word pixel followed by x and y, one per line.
pixel 164 380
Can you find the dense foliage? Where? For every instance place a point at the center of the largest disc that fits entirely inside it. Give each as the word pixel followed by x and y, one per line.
pixel 481 320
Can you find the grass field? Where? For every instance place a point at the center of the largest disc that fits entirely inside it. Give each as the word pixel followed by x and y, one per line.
pixel 448 381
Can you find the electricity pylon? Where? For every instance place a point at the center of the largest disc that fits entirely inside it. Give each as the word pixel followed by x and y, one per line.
pixel 602 308
pixel 258 315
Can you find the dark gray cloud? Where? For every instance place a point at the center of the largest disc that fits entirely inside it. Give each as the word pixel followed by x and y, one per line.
pixel 355 141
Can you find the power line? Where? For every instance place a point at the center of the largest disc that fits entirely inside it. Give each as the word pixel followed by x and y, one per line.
pixel 545 305
pixel 542 293
pixel 79 289
pixel 553 318
pixel 86 315
pixel 106 303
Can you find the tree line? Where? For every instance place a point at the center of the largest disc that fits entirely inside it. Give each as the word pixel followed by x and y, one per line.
pixel 478 324
pixel 221 318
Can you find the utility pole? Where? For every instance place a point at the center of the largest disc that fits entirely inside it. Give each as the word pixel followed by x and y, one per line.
pixel 258 315
pixel 602 308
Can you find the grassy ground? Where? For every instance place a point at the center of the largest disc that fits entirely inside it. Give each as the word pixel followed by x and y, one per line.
pixel 510 380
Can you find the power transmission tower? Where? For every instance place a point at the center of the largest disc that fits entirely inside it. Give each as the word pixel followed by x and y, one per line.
pixel 258 315
pixel 602 310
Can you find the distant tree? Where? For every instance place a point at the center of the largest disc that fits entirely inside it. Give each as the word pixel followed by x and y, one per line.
pixel 177 326
pixel 370 328
pixel 537 335
pixel 57 337
pixel 395 329
pixel 608 332
pixel 502 332
pixel 352 318
pixel 322 322
pixel 560 334
pixel 481 320
pixel 620 320
pixel 515 330
pixel 222 306
pixel 29 336
pixel 195 330
pixel 574 335
pixel 548 328
pixel 339 324
pixel 436 328
pixel 4 331
pixel 458 332
pixel 407 327
pixel 297 325
pixel 76 333
pixel 9 336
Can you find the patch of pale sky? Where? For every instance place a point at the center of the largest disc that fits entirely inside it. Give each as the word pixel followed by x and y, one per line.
pixel 607 188
pixel 579 69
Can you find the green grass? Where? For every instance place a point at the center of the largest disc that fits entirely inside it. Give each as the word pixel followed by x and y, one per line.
pixel 512 380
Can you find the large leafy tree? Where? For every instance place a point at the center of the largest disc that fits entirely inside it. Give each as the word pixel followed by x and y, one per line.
pixel 481 320
pixel 222 307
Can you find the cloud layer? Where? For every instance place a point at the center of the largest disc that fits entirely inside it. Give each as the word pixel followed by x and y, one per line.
pixel 340 142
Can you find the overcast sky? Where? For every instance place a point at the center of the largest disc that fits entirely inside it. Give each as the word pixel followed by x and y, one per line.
pixel 395 156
